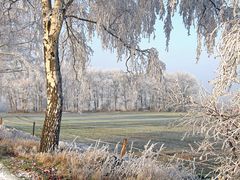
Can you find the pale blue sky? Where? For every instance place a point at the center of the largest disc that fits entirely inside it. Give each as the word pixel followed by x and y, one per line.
pixel 181 56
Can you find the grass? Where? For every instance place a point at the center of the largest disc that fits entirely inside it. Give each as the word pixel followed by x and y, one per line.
pixel 138 127
pixel 94 163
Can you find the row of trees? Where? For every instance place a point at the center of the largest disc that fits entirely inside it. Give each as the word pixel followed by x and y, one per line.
pixel 101 91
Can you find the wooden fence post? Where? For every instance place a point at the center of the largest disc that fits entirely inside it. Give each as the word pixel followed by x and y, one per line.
pixel 33 130
pixel 124 147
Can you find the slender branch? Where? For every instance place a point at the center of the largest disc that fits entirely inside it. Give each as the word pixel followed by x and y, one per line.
pixel 15 44
pixel 69 29
pixel 7 53
pixel 30 4
pixel 126 64
pixel 81 19
pixel 215 6
pixel 11 3
pixel 203 13
pixel 73 51
pixel 110 32
pixel 2 45
pixel 2 71
pixel 68 3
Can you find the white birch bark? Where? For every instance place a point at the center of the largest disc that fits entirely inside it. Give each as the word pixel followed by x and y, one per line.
pixel 52 23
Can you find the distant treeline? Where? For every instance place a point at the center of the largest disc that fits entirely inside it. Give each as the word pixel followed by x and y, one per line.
pixel 101 91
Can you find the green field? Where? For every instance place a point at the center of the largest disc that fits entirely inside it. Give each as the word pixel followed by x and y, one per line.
pixel 138 127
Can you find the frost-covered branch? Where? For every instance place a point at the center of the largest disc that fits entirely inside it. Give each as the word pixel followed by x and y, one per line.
pixel 133 49
pixel 144 51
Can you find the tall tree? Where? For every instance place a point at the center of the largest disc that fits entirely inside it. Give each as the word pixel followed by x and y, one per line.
pixel 53 16
pixel 119 28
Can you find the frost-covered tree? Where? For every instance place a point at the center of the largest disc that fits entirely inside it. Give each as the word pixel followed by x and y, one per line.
pixel 19 52
pixel 217 23
pixel 180 90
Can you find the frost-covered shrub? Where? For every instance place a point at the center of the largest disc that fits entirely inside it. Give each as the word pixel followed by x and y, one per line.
pixel 99 163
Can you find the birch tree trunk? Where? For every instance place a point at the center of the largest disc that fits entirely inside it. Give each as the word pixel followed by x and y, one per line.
pixel 52 24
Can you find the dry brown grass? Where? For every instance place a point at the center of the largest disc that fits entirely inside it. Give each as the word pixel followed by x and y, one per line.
pixel 19 147
pixel 95 163
pixel 99 163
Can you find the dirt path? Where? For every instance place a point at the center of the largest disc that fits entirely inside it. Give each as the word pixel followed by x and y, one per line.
pixel 5 174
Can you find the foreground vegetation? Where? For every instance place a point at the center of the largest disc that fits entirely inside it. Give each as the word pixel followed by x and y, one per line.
pixel 138 127
pixel 97 162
